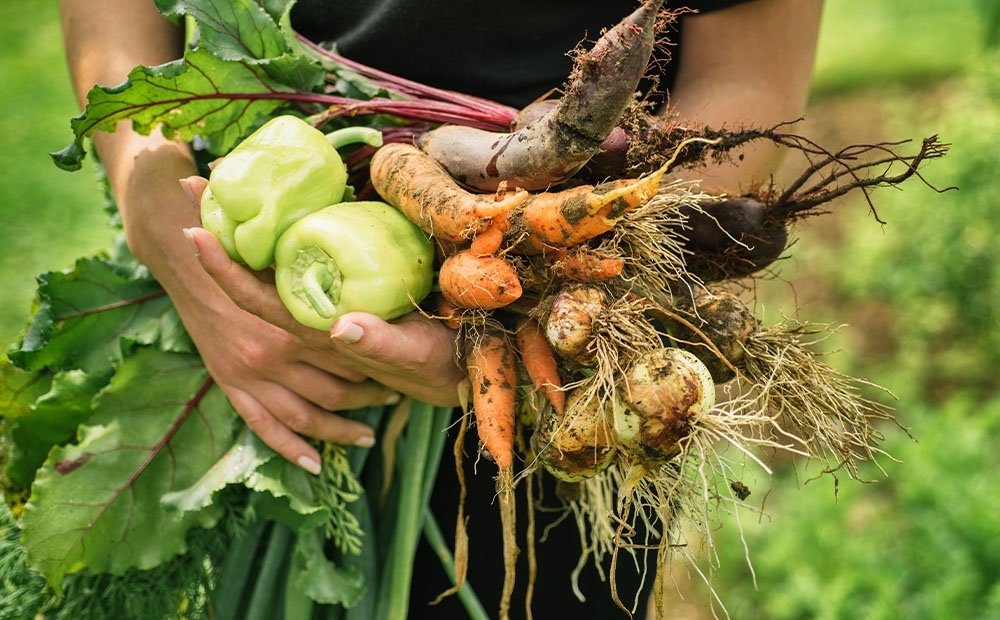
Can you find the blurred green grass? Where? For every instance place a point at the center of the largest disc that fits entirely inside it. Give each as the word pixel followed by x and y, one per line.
pixel 50 217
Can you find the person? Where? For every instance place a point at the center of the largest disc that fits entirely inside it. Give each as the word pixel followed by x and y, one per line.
pixel 734 62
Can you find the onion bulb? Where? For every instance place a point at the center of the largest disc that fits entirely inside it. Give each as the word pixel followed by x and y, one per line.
pixel 577 445
pixel 662 394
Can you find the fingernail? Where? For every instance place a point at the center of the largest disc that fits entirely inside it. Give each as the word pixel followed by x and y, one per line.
pixel 186 186
pixel 393 398
pixel 309 464
pixel 348 333
pixel 365 441
pixel 190 237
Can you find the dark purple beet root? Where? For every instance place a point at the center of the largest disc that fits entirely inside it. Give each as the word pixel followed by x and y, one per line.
pixel 732 238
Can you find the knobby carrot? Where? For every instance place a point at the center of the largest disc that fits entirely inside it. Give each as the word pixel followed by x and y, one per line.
pixel 471 281
pixel 570 217
pixel 407 178
pixel 581 264
pixel 492 369
pixel 540 363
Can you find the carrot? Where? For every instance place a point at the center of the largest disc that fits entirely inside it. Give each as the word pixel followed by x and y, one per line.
pixel 581 264
pixel 492 372
pixel 540 363
pixel 492 369
pixel 471 281
pixel 554 146
pixel 570 217
pixel 414 183
pixel 487 242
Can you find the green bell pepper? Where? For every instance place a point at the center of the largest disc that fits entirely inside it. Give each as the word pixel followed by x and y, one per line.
pixel 277 175
pixel 353 256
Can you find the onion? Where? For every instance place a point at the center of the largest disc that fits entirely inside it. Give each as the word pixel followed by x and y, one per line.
pixel 661 397
pixel 570 325
pixel 577 445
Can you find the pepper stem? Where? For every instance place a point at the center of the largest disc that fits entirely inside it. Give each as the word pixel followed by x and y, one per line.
pixel 318 280
pixel 353 135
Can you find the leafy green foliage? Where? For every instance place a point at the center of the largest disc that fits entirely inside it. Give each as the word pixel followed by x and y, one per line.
pixel 155 428
pixel 86 316
pixel 246 66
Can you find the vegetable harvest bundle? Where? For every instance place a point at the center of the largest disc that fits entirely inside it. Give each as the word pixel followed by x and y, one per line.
pixel 593 288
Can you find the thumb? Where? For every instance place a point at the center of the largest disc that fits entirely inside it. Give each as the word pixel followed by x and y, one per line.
pixel 194 187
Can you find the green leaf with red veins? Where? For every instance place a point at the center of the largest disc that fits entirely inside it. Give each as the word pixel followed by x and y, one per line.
pixel 198 97
pixel 95 505
pixel 87 314
pixel 235 29
pixel 53 420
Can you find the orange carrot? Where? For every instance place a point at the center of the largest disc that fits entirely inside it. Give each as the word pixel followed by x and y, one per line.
pixel 581 264
pixel 407 178
pixel 493 374
pixel 539 361
pixel 471 281
pixel 487 242
pixel 570 217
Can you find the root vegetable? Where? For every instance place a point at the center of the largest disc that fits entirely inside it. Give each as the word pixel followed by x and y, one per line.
pixel 582 264
pixel 484 282
pixel 539 362
pixel 569 327
pixel 492 370
pixel 733 238
pixel 410 180
pixel 576 444
pixel 661 397
pixel 407 179
pixel 554 146
pixel 570 217
pixel 726 322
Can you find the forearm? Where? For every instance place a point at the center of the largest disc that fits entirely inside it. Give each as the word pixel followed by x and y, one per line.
pixel 747 66
pixel 104 40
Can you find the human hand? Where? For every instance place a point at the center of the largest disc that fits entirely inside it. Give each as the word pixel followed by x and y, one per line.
pixel 413 355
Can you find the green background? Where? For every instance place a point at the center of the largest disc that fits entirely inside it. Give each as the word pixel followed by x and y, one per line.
pixel 920 297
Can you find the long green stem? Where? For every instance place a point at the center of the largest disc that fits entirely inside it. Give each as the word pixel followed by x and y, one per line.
pixel 435 538
pixel 354 134
pixel 279 550
pixel 235 573
pixel 415 459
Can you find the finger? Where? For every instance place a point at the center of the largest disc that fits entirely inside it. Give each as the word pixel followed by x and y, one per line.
pixel 414 355
pixel 254 292
pixel 309 420
pixel 237 281
pixel 272 432
pixel 194 187
pixel 334 394
pixel 283 431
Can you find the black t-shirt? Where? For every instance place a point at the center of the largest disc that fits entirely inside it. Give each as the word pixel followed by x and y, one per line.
pixel 512 51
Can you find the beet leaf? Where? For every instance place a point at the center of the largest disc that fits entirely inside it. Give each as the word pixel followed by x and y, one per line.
pixel 95 504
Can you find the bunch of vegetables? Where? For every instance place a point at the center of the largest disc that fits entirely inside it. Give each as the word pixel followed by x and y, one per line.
pixel 596 294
